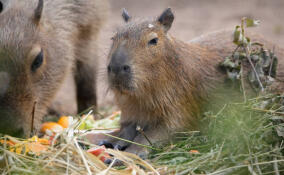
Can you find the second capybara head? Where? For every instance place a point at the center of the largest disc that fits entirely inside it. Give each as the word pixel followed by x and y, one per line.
pixel 139 50
pixel 29 67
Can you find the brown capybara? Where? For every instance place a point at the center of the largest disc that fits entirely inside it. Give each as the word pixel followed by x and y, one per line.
pixel 161 83
pixel 41 41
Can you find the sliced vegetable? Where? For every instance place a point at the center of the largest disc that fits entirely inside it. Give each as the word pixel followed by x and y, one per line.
pixel 51 127
pixel 99 152
pixel 110 122
pixel 65 121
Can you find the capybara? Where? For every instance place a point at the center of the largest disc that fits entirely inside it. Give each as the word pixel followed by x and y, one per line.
pixel 161 83
pixel 41 41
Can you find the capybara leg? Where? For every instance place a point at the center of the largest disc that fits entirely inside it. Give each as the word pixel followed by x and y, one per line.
pixel 85 86
pixel 141 151
pixel 127 132
pixel 152 137
pixel 86 65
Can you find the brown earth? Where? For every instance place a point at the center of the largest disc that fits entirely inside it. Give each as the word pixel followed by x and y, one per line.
pixel 192 19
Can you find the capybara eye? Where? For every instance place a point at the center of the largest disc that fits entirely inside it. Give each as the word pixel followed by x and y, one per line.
pixel 1 6
pixel 153 41
pixel 37 61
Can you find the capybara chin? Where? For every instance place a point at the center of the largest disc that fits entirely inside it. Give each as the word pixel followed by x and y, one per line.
pixel 41 41
pixel 161 83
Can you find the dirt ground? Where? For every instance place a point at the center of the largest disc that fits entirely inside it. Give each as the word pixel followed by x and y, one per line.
pixel 192 18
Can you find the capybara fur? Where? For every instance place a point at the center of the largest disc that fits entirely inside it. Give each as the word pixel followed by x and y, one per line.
pixel 41 41
pixel 161 83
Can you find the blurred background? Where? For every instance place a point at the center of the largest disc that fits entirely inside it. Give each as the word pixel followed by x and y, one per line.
pixel 192 19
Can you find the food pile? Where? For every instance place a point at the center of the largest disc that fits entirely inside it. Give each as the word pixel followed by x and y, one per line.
pixel 60 150
pixel 32 146
pixel 109 123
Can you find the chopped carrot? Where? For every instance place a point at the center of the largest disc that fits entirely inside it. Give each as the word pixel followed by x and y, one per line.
pixel 194 152
pixel 65 121
pixel 51 127
pixel 7 142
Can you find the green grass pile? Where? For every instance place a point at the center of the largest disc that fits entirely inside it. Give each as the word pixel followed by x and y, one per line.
pixel 239 139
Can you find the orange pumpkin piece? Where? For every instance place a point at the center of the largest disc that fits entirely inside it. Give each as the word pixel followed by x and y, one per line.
pixel 44 141
pixel 7 142
pixel 51 127
pixel 65 121
pixel 36 147
pixel 29 147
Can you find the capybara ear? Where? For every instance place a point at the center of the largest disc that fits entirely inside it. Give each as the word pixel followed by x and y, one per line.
pixel 38 12
pixel 125 15
pixel 166 19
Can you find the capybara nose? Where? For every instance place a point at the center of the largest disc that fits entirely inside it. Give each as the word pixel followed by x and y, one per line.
pixel 119 69
pixel 10 122
pixel 119 63
pixel 4 82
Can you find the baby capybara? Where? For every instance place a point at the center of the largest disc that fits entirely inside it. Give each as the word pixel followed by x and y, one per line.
pixel 41 41
pixel 161 83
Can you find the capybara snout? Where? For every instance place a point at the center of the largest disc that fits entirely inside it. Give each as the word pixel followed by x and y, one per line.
pixel 119 69
pixel 10 123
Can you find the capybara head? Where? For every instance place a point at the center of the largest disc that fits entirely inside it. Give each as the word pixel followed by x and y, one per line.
pixel 32 64
pixel 139 53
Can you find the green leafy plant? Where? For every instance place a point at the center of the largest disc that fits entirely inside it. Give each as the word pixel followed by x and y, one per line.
pixel 263 62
